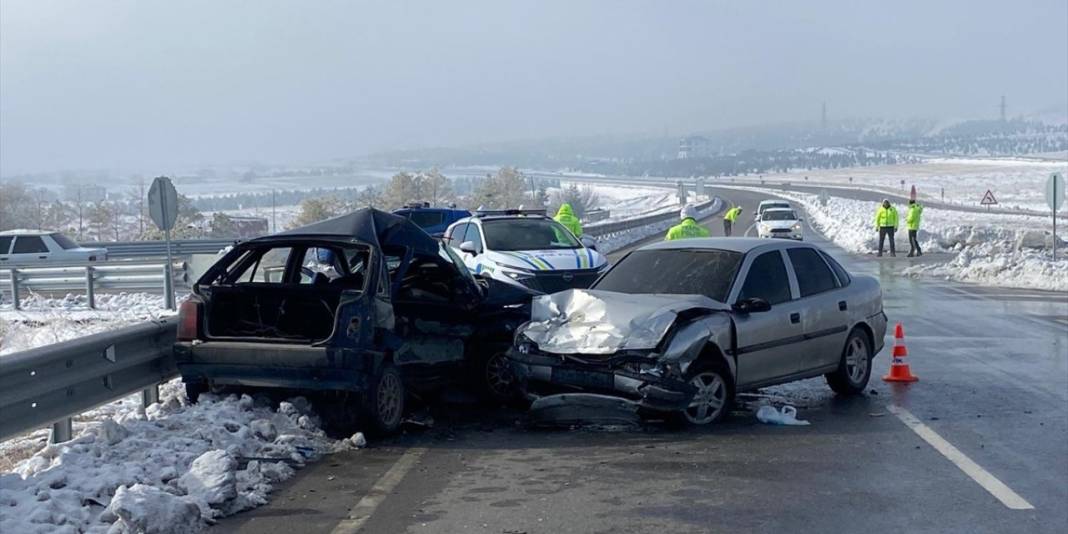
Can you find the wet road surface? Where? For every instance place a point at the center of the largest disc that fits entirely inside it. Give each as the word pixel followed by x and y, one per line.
pixel 979 444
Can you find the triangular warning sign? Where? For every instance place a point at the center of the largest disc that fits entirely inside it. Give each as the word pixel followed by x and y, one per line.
pixel 988 199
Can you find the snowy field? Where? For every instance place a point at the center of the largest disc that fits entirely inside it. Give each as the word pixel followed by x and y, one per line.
pixel 628 202
pixel 43 321
pixel 1015 183
pixel 990 249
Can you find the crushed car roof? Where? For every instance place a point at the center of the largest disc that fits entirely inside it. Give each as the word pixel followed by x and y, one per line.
pixel 371 226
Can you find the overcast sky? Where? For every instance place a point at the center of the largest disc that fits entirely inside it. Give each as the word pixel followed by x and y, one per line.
pixel 136 84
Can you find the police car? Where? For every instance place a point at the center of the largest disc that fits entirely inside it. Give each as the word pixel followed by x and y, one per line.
pixel 526 248
pixel 433 221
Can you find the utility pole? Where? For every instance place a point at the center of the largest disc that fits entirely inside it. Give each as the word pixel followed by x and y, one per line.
pixel 1002 108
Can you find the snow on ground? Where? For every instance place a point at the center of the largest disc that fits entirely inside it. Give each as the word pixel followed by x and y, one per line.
pixel 43 320
pixel 613 242
pixel 173 467
pixel 627 202
pixel 1014 182
pixel 991 249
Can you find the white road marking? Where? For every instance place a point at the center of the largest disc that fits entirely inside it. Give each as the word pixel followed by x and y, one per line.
pixel 378 493
pixel 981 476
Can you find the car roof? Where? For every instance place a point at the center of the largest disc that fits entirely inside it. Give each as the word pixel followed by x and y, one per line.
pixel 766 202
pixel 743 245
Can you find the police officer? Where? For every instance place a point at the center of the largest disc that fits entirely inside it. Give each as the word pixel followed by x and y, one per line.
pixel 566 216
pixel 688 227
pixel 912 221
pixel 886 225
pixel 729 218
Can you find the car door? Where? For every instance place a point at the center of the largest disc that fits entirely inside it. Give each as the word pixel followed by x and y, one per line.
pixel 825 308
pixel 770 344
pixel 30 249
pixel 5 248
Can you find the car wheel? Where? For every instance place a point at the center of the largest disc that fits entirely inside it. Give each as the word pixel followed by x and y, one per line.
pixel 385 400
pixel 715 394
pixel 854 370
pixel 193 390
pixel 499 378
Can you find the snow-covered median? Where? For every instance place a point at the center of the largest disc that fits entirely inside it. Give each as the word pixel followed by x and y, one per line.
pixel 173 467
pixel 991 249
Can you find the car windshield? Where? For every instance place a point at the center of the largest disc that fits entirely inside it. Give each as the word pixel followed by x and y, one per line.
pixel 779 215
pixel 766 207
pixel 527 234
pixel 708 272
pixel 64 241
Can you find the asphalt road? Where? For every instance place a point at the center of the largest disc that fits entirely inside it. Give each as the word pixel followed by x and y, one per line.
pixel 979 444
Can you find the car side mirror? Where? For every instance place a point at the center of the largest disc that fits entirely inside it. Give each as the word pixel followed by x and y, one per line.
pixel 752 305
pixel 468 247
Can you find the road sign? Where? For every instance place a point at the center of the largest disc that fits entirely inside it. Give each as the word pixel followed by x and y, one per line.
pixel 988 199
pixel 1055 191
pixel 163 203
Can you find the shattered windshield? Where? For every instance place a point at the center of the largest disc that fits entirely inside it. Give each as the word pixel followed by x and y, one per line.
pixel 527 234
pixel 708 272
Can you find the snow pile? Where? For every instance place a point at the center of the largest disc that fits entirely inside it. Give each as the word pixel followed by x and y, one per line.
pixel 43 321
pixel 613 242
pixel 992 249
pixel 173 467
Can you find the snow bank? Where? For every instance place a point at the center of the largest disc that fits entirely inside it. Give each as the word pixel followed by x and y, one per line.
pixel 43 321
pixel 991 249
pixel 171 468
pixel 613 242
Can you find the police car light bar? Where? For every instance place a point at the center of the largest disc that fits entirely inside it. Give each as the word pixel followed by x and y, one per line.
pixel 520 211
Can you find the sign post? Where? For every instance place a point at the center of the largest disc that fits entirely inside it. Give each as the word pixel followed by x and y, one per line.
pixel 988 200
pixel 1055 197
pixel 163 209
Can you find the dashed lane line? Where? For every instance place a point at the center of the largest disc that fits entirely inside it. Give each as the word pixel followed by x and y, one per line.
pixel 989 482
pixel 367 505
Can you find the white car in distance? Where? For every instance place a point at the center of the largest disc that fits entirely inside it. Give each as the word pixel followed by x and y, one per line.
pixel 769 205
pixel 780 222
pixel 35 247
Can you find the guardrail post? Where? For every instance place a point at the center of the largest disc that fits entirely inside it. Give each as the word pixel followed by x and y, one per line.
pixel 15 289
pixel 150 395
pixel 168 286
pixel 90 293
pixel 62 430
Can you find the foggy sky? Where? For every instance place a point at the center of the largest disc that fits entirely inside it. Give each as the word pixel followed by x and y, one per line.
pixel 136 84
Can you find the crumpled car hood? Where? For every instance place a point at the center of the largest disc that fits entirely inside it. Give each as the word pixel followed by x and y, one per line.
pixel 587 321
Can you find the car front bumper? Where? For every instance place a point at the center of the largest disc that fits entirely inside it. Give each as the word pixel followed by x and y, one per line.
pixel 541 375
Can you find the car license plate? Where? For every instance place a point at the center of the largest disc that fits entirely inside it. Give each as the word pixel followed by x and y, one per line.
pixel 582 378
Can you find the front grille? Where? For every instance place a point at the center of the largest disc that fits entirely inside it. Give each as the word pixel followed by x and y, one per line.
pixel 556 281
pixel 780 230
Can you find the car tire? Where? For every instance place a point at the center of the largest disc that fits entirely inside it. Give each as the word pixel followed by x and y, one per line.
pixel 384 403
pixel 498 379
pixel 714 398
pixel 854 369
pixel 193 390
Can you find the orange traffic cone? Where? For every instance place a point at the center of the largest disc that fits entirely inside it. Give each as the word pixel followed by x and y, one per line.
pixel 899 370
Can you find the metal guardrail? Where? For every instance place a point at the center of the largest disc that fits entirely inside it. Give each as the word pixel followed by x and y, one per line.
pixel 149 249
pixel 603 229
pixel 91 276
pixel 51 384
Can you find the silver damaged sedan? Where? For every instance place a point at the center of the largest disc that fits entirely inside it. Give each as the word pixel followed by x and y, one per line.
pixel 680 327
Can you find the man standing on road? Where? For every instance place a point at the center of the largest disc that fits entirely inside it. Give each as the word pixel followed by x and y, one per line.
pixel 729 218
pixel 566 216
pixel 886 224
pixel 912 221
pixel 688 227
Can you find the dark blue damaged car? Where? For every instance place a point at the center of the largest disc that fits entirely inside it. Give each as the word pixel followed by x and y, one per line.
pixel 367 307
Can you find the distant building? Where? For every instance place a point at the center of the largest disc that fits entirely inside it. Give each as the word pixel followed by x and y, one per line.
pixel 694 146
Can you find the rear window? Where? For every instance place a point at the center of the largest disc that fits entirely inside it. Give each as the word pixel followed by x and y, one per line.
pixel 29 244
pixel 64 241
pixel 426 219
pixel 5 244
pixel 675 272
pixel 839 271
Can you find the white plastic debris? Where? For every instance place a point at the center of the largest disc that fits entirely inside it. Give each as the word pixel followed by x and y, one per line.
pixel 772 416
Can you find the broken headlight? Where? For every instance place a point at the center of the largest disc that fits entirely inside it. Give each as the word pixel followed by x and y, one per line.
pixel 524 345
